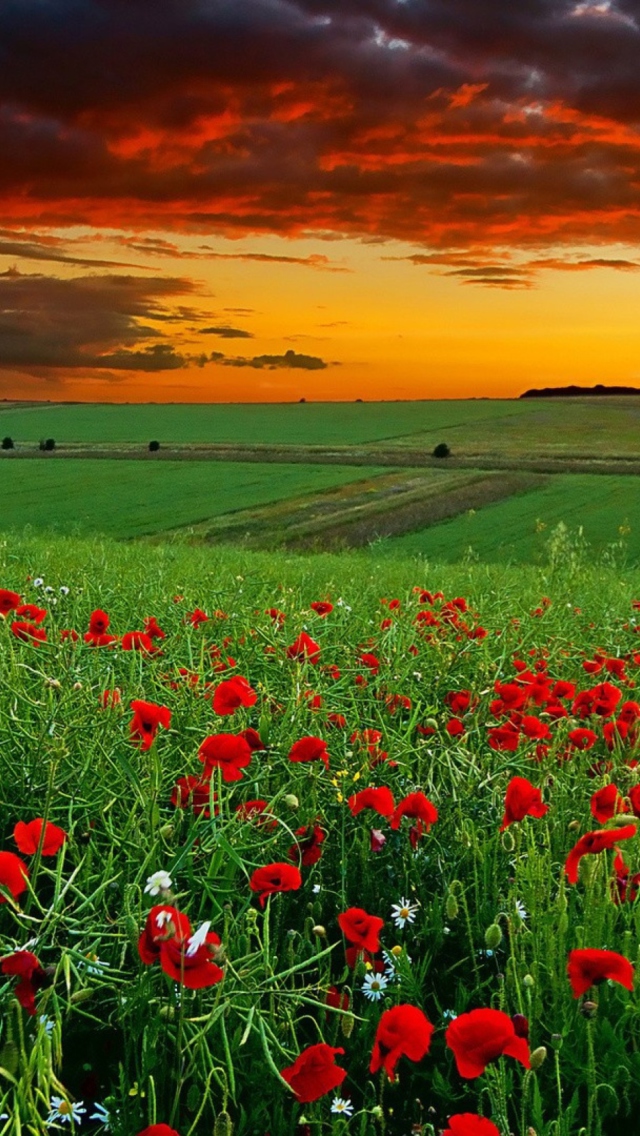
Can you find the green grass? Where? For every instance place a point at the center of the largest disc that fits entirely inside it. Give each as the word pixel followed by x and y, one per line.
pixel 512 530
pixel 312 423
pixel 135 498
pixel 160 1052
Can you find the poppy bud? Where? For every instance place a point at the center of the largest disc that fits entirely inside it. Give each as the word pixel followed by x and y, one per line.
pixel 556 1041
pixel 589 1009
pixel 166 830
pixel 168 1012
pixel 529 981
pixel 54 683
pixel 291 800
pixel 573 824
pixel 431 722
pixel 223 1124
pixel 317 910
pixel 81 996
pixel 507 841
pixel 451 907
pixel 538 1056
pixel 320 931
pixel 347 1022
pixel 493 937
pixel 77 686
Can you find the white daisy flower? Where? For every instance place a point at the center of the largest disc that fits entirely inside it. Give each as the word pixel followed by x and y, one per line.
pixel 38 582
pixel 520 910
pixel 64 591
pixel 101 1114
pixel 341 1106
pixel 403 912
pixel 198 938
pixel 159 881
pixel 65 1111
pixel 374 986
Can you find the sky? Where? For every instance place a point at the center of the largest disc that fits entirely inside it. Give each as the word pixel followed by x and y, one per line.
pixel 268 200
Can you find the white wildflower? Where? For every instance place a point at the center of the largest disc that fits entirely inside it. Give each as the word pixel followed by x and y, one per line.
pixel 198 939
pixel 341 1106
pixel 404 912
pixel 66 1111
pixel 159 881
pixel 374 986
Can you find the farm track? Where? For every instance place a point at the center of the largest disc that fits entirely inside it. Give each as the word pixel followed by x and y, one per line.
pixel 355 514
pixel 337 455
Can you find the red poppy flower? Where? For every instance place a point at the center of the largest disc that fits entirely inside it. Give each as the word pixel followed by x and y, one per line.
pixel 459 701
pixel 69 635
pixel 152 629
pixel 380 800
pixel 416 806
pixel 606 803
pixel 470 1124
pixel 31 977
pixel 9 601
pixel 196 617
pixel 307 851
pixel 231 694
pixel 314 1072
pixel 230 752
pixel 587 967
pixel 504 737
pixel 321 607
pixel 521 799
pixel 377 840
pixel 360 928
pixel 479 1037
pixel 158 1130
pixel 276 615
pixel 310 749
pixel 138 641
pixel 190 961
pixel 624 890
pixel 27 837
pixel 634 797
pixel 601 699
pixel 455 727
pixel 338 721
pixel 147 717
pixel 164 922
pixel 275 877
pixel 254 810
pixel 13 875
pixel 403 1031
pixel 28 632
pixel 582 738
pixel 336 999
pixel 97 635
pixel 304 648
pixel 592 843
pixel 31 612
pixel 192 790
pixel 253 739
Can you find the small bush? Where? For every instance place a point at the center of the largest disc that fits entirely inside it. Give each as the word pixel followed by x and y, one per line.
pixel 442 450
pixel 153 446
pixel 7 443
pixel 50 444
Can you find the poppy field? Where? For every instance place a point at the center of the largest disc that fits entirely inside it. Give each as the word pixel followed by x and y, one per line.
pixel 316 845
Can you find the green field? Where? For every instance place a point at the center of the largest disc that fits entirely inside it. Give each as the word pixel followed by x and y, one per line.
pixel 511 530
pixel 136 498
pixel 586 427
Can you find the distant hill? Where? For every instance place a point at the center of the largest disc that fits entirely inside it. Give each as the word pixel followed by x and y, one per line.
pixel 574 391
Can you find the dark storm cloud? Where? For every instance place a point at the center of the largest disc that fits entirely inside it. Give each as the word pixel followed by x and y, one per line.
pixel 92 321
pixel 441 122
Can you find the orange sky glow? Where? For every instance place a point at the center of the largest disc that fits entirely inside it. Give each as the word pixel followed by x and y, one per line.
pixel 329 199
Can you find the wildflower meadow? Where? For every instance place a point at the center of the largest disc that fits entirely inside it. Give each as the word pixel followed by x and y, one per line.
pixel 316 845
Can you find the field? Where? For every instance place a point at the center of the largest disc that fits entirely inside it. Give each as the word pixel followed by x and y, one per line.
pixel 519 529
pixel 150 972
pixel 584 427
pixel 129 498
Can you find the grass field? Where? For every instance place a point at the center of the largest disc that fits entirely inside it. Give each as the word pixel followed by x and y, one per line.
pixel 129 498
pixel 586 427
pixel 146 979
pixel 519 528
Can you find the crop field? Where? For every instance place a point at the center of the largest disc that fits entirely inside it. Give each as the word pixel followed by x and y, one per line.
pixel 362 833
pixel 130 498
pixel 585 427
pixel 519 528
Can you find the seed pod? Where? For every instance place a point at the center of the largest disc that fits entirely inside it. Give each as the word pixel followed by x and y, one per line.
pixel 493 937
pixel 451 906
pixel 529 981
pixel 538 1056
pixel 291 800
pixel 347 1022
pixel 589 1009
pixel 80 996
pixel 223 1124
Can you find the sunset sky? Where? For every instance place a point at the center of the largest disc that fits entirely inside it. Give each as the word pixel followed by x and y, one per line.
pixel 263 200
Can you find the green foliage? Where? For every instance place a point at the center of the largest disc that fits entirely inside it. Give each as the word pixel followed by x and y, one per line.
pixel 202 1060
